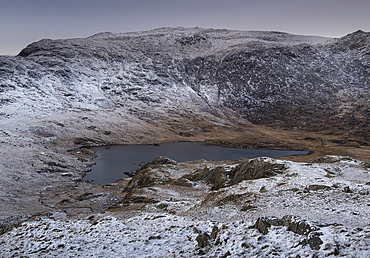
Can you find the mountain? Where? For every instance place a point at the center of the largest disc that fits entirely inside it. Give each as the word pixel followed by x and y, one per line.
pixel 265 77
pixel 246 89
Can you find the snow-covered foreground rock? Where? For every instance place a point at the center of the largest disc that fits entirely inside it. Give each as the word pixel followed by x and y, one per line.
pixel 262 208
pixel 164 235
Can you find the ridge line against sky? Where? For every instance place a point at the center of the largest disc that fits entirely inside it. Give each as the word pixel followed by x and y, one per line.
pixel 26 21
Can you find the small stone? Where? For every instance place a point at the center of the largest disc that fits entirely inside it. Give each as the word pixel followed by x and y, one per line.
pixel 363 192
pixel 261 225
pixel 366 164
pixel 347 189
pixel 129 173
pixel 201 252
pixel 215 231
pixel 246 245
pixel 248 207
pixel 318 187
pixel 263 189
pixel 273 221
pixel 314 241
pixel 154 237
pixel 297 225
pixel 203 240
pixel 226 254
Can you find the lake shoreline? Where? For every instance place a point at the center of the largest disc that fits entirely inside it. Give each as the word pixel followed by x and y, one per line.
pixel 117 161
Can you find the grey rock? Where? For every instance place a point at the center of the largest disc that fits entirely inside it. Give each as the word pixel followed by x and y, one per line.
pixel 314 241
pixel 366 163
pixel 273 221
pixel 346 189
pixel 154 237
pixel 263 189
pixel 158 161
pixel 215 231
pixel 203 240
pixel 129 173
pixel 149 175
pixel 294 224
pixel 43 131
pixel 262 225
pixel 247 170
pixel 297 225
pixel 333 159
pixel 226 254
pixel 318 187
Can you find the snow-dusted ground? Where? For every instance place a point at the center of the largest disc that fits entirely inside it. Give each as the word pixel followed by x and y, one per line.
pixel 164 235
pixel 332 198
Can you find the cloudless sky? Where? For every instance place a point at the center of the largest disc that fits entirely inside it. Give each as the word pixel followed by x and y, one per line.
pixel 25 21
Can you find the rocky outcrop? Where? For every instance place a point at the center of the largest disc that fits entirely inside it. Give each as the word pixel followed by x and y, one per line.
pixel 247 170
pixel 148 175
pixel 254 169
pixel 366 163
pixel 332 159
pixel 293 224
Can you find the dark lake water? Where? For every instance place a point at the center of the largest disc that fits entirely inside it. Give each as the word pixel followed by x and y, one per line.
pixel 111 163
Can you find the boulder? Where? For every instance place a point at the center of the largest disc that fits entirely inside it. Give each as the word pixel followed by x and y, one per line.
pixel 332 159
pixel 203 240
pixel 262 225
pixel 294 224
pixel 246 170
pixel 318 187
pixel 366 163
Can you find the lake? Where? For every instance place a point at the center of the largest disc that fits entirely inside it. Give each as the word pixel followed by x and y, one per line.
pixel 112 162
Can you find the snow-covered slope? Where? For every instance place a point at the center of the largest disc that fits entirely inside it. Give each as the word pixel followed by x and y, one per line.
pixel 165 235
pixel 263 75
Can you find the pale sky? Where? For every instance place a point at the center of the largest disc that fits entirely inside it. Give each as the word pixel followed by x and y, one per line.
pixel 25 21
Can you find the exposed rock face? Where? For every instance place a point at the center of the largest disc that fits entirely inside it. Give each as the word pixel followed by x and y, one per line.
pixel 247 170
pixel 147 175
pixel 265 76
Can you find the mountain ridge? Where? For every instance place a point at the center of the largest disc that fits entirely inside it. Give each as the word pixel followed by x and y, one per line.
pixel 270 78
